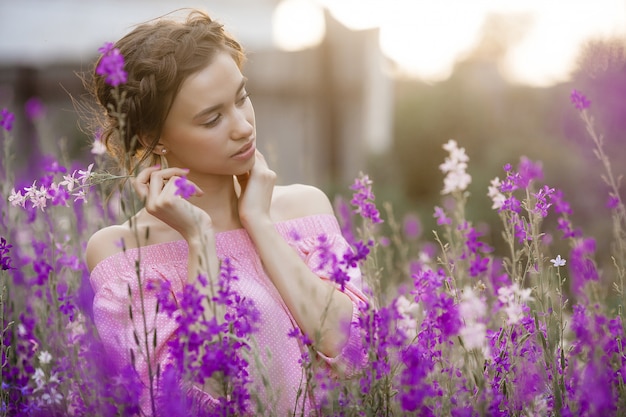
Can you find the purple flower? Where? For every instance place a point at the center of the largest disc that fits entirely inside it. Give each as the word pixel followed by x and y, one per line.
pixel 415 386
pixel 519 227
pixel 51 165
pixel 612 202
pixel 184 188
pixel 582 266
pixel 542 206
pixel 412 227
pixel 111 65
pixel 6 119
pixel 512 204
pixel 441 217
pixel 426 283
pixel 579 100
pixel 560 205
pixel 474 245
pixel 35 109
pixel 363 199
pixel 335 268
pixel 565 226
pixel 528 171
pixel 5 260
pixel 478 266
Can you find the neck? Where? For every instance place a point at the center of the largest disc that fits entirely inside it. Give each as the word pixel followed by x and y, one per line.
pixel 220 201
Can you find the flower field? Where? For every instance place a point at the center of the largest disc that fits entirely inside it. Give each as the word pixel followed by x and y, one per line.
pixel 537 332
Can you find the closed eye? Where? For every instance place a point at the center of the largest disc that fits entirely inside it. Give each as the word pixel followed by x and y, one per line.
pixel 213 121
pixel 243 99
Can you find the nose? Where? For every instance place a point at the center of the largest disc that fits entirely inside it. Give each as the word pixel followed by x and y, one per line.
pixel 242 124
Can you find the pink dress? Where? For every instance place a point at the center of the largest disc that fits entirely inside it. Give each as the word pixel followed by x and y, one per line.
pixel 111 278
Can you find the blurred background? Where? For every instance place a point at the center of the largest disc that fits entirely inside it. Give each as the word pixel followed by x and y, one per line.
pixel 348 86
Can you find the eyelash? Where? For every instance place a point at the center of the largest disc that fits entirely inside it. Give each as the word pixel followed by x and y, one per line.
pixel 239 102
pixel 243 98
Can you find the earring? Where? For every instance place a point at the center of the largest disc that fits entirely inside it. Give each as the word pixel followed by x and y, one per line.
pixel 163 159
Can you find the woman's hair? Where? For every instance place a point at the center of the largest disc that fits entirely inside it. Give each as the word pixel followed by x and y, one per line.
pixel 158 56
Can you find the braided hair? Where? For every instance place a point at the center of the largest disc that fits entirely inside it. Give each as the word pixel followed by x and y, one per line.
pixel 158 56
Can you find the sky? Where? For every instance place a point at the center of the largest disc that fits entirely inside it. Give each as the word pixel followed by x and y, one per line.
pixel 425 38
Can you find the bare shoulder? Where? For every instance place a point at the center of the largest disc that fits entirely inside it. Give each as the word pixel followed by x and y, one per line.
pixel 107 242
pixel 145 230
pixel 299 200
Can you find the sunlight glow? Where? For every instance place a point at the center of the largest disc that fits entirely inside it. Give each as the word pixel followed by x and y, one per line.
pixel 549 52
pixel 426 38
pixel 298 24
pixel 356 14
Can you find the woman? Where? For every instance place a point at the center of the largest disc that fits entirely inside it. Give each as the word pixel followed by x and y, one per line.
pixel 189 121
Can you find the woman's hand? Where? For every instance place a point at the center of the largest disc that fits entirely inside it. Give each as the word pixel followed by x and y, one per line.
pixel 257 187
pixel 157 189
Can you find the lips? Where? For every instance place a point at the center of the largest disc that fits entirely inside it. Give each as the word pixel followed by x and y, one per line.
pixel 245 150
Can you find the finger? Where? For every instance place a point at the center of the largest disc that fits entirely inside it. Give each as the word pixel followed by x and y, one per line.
pixel 260 157
pixel 155 185
pixel 140 182
pixel 144 175
pixel 198 191
pixel 243 179
pixel 260 163
pixel 158 178
pixel 168 173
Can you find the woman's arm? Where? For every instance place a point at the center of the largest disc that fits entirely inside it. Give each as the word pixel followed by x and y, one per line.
pixel 157 189
pixel 322 312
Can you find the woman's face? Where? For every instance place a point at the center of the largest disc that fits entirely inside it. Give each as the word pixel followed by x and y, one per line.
pixel 211 127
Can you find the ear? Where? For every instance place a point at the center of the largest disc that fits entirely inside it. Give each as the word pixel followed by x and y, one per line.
pixel 159 149
pixel 147 142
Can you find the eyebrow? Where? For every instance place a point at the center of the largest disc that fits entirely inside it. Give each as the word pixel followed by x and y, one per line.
pixel 211 109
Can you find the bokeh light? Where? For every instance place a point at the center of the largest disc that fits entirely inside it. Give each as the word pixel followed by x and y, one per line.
pixel 298 24
pixel 425 39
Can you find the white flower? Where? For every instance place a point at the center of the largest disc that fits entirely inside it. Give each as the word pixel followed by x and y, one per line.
pixel 456 153
pixel 98 147
pixel 80 195
pixel 39 197
pixel 454 167
pixel 473 335
pixel 558 261
pixel 493 192
pixel 524 294
pixel 44 357
pixel 54 378
pixel 16 198
pixel 408 311
pixel 69 181
pixel 514 313
pixel 39 377
pixel 512 299
pixel 84 176
pixel 456 181
pixel 471 306
pixel 472 309
pixel 424 257
pixel 52 397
